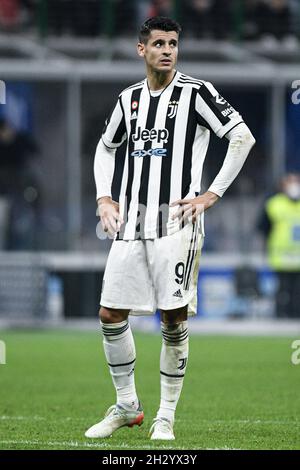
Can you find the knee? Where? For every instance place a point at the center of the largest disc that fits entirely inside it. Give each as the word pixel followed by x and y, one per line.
pixel 104 315
pixel 109 315
pixel 171 317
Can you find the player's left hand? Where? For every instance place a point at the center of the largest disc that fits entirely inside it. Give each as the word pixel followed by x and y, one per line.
pixel 194 207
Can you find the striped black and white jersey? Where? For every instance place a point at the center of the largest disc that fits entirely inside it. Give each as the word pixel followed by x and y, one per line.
pixel 167 140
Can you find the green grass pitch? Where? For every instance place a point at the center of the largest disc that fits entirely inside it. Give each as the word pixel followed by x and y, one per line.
pixel 239 393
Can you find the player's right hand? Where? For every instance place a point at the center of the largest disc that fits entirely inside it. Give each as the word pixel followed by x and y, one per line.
pixel 109 214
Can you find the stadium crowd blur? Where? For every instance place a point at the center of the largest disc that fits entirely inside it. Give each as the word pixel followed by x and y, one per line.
pixel 216 19
pixel 19 188
pixel 34 200
pixel 200 19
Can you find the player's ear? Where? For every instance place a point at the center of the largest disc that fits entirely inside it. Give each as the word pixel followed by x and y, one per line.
pixel 141 49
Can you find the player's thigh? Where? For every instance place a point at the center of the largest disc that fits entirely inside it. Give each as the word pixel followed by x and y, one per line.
pixel 126 279
pixel 173 268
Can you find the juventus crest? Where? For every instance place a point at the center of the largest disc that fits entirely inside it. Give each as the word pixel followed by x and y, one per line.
pixel 173 105
pixel 183 363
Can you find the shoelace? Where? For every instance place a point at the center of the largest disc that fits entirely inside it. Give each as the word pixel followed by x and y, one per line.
pixel 112 410
pixel 164 424
pixel 115 410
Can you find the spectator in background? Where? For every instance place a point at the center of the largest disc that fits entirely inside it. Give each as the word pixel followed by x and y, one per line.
pixel 268 18
pixel 125 17
pixel 75 17
pixel 148 8
pixel 15 14
pixel 161 8
pixel 86 19
pixel 221 11
pixel 28 10
pixel 250 29
pixel 274 18
pixel 208 18
pixel 198 18
pixel 9 14
pixel 59 16
pixel 19 188
pixel 90 18
pixel 280 224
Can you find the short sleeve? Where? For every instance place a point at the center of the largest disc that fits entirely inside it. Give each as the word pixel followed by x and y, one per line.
pixel 214 112
pixel 114 132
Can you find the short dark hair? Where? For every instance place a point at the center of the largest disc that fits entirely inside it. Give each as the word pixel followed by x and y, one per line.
pixel 161 23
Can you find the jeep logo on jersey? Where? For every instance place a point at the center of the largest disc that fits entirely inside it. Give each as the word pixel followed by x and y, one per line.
pixel 222 105
pixel 160 135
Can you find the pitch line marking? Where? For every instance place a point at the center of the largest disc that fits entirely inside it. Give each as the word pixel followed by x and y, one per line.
pixel 54 444
pixel 210 421
pixel 104 445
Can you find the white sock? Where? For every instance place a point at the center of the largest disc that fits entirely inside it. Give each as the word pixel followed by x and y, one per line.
pixel 173 361
pixel 119 350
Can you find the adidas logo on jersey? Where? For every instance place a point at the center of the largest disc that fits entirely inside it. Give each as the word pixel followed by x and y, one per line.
pixel 178 294
pixel 134 115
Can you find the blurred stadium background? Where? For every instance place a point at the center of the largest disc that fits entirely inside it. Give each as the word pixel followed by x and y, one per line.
pixel 63 63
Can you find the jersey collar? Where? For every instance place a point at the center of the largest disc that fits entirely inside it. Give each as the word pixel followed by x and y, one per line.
pixel 172 82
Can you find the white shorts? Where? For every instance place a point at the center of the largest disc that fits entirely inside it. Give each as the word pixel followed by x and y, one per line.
pixel 145 275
